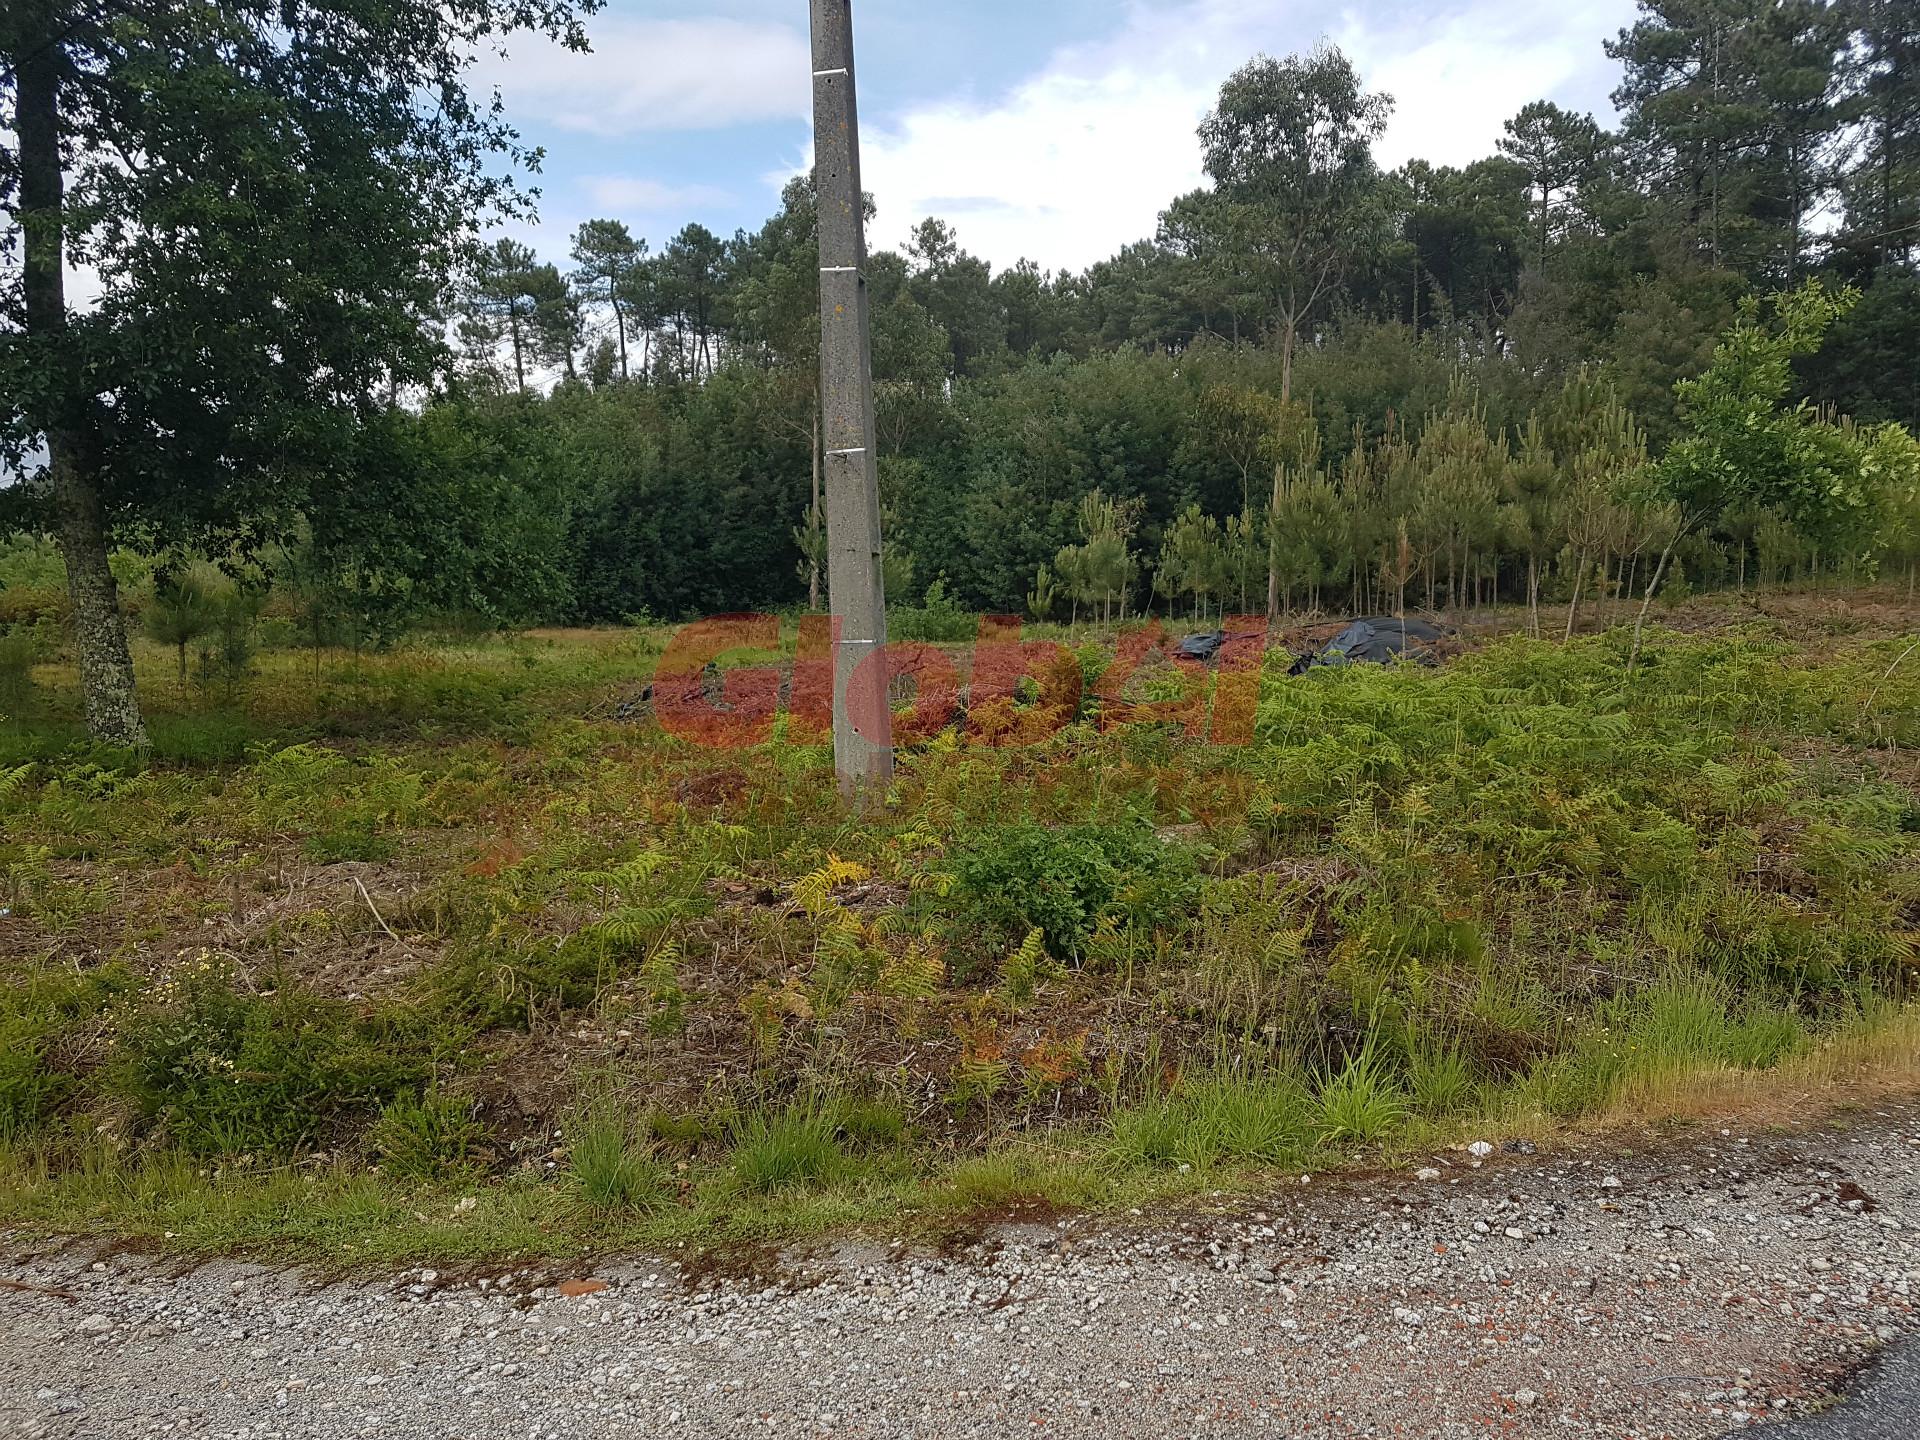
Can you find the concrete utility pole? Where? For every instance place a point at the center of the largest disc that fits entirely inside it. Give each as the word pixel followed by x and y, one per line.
pixel 856 597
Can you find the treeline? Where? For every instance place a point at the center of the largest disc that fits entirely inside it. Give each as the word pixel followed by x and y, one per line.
pixel 1067 488
pixel 1318 374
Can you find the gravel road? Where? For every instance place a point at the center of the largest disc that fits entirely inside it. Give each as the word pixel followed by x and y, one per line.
pixel 1688 1289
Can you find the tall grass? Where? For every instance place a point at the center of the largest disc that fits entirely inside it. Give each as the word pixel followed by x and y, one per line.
pixel 780 1149
pixel 611 1162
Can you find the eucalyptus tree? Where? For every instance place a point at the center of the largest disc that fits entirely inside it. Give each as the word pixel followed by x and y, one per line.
pixel 1297 198
pixel 273 196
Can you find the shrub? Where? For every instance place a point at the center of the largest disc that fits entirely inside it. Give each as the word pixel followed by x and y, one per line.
pixel 1762 1038
pixel 1064 882
pixel 183 608
pixel 937 621
pixel 230 1072
pixel 1259 1119
pixel 427 1137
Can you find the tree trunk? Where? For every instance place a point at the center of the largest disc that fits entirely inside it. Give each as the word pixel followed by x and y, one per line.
pixel 1287 329
pixel 620 325
pixel 1273 547
pixel 1646 603
pixel 1533 595
pixel 519 364
pixel 99 630
pixel 1579 583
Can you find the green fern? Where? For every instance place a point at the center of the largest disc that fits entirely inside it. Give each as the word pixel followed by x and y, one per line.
pixel 13 780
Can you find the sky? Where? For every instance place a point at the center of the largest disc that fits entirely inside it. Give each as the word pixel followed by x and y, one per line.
pixel 1052 130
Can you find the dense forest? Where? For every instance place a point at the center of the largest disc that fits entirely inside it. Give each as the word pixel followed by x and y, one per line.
pixel 1684 351
pixel 1429 378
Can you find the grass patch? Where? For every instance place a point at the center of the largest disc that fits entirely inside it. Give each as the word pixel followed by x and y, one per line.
pixel 611 1163
pixel 432 1137
pixel 1361 1103
pixel 783 1149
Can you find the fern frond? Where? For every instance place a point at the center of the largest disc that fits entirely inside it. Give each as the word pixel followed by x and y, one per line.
pixel 12 780
pixel 813 892
pixel 630 926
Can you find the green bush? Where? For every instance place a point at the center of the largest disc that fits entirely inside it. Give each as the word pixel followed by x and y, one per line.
pixel 1064 882
pixel 937 621
pixel 1263 1119
pixel 428 1137
pixel 1154 1132
pixel 1440 1078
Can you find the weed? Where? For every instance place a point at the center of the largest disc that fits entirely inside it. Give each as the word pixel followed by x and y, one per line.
pixel 334 847
pixel 432 1137
pixel 1153 1132
pixel 1440 1078
pixel 609 1161
pixel 1264 1119
pixel 1540 887
pixel 1063 882
pixel 870 1122
pixel 1360 1103
pixel 234 1072
pixel 778 1150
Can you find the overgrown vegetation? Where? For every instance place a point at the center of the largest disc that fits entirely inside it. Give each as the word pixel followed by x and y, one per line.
pixel 339 913
pixel 578 978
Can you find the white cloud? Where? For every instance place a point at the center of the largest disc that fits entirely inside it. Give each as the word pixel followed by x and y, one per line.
pixel 1080 159
pixel 657 75
pixel 629 195
pixel 1455 84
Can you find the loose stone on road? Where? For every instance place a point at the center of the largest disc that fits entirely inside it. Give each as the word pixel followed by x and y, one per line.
pixel 1695 1287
